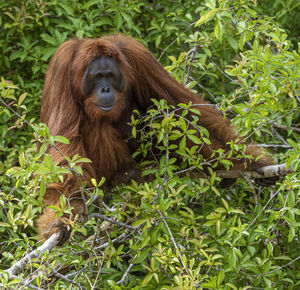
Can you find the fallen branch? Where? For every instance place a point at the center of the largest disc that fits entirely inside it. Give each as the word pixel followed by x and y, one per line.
pixel 47 246
pixel 51 243
pixel 269 171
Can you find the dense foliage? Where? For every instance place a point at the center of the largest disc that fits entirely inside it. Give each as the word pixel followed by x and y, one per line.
pixel 241 55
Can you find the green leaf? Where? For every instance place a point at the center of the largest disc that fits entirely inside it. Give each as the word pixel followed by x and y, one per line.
pixel 206 17
pixel 48 162
pixel 139 222
pixel 219 29
pixel 61 139
pixel 251 250
pixel 22 159
pixel 147 279
pixel 291 199
pixel 225 204
pixel 141 256
pixel 194 139
pixel 291 234
pixel 55 208
pixel 21 99
pixel 195 111
pixel 221 277
pixel 43 186
pixel 83 160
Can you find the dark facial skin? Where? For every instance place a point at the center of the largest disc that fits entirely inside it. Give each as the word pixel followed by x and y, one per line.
pixel 102 77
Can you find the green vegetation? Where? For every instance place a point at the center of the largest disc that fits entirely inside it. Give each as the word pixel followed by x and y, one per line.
pixel 243 56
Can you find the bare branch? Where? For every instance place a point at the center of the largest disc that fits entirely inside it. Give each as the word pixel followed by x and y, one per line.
pixel 25 283
pixel 103 217
pixel 47 246
pixel 191 54
pixel 13 111
pixel 125 274
pixel 278 136
pixel 102 247
pixel 269 171
pixel 275 146
pixel 263 209
pixel 263 274
pixel 295 129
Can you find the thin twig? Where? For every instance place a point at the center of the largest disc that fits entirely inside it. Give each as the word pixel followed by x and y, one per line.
pixel 286 128
pixel 163 52
pixel 204 276
pixel 25 284
pixel 262 210
pixel 65 278
pixel 248 180
pixel 191 54
pixel 105 218
pixel 223 73
pixel 278 136
pixel 11 109
pixel 235 26
pixel 282 214
pixel 291 262
pixel 172 238
pixel 126 274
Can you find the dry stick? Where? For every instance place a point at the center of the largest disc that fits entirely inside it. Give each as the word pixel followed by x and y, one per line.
pixel 48 245
pixel 204 276
pixel 269 171
pixel 191 54
pixel 163 52
pixel 275 146
pixel 126 273
pixel 102 247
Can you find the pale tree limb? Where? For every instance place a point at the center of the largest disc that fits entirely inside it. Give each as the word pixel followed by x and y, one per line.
pixel 126 273
pixel 269 171
pixel 52 242
pixel 47 246
pixel 275 146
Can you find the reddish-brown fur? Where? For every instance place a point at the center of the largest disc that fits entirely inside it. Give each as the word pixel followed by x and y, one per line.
pixel 100 135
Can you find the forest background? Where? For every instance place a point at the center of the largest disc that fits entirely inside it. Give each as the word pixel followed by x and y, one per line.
pixel 243 56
